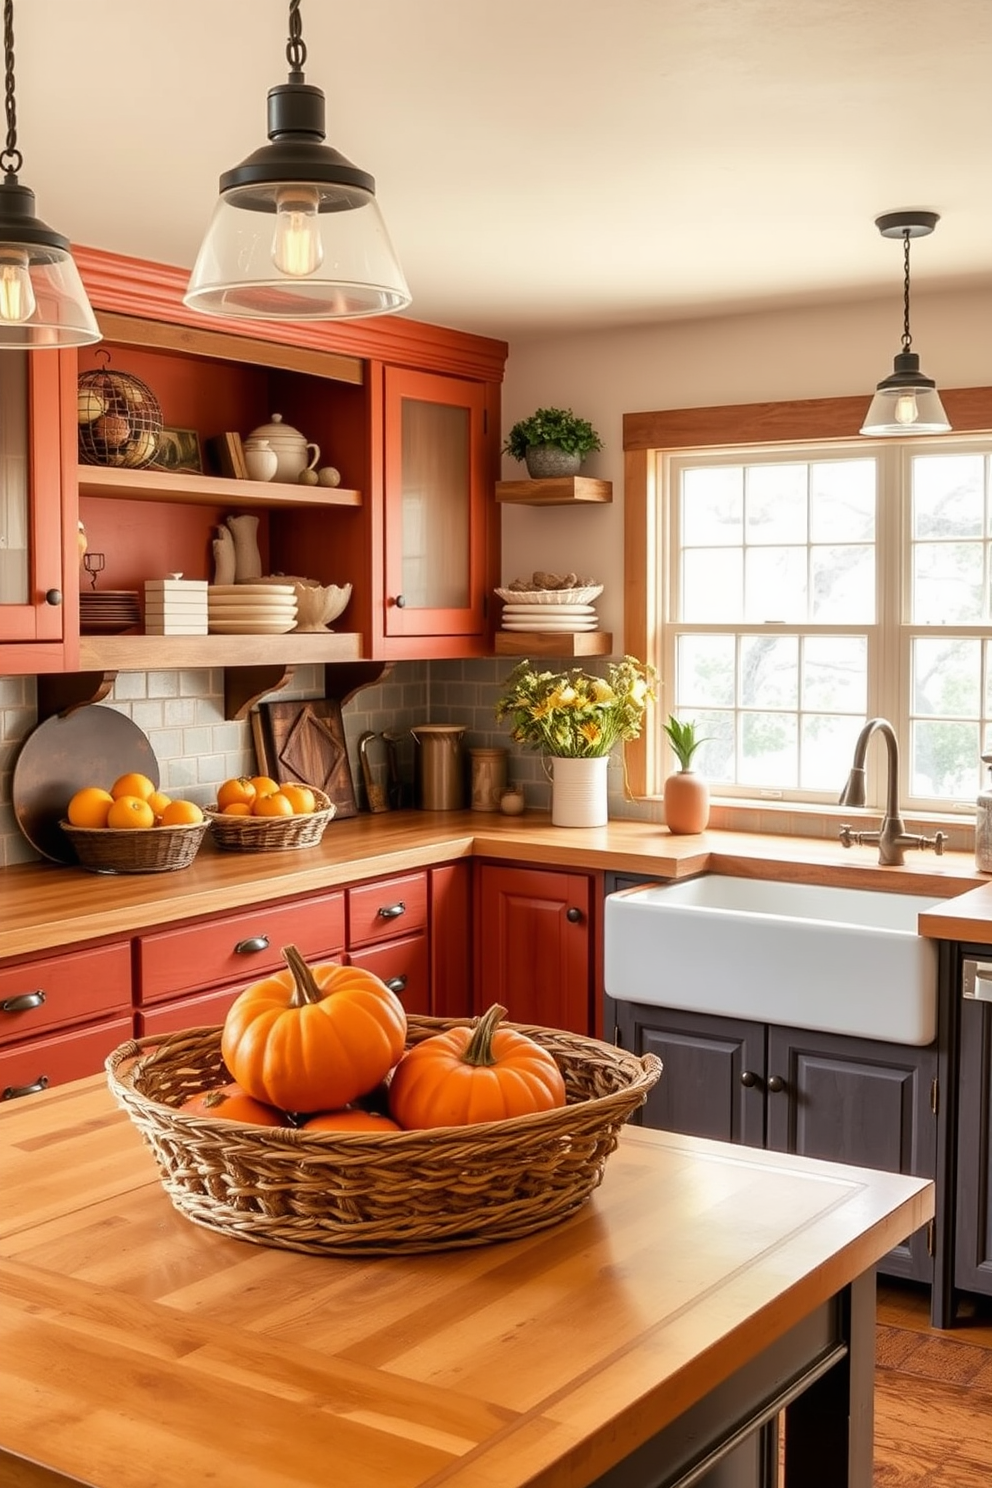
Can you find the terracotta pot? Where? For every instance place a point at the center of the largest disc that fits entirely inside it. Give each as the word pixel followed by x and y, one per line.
pixel 687 803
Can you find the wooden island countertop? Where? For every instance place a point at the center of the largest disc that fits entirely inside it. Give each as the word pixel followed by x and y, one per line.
pixel 141 1351
pixel 47 906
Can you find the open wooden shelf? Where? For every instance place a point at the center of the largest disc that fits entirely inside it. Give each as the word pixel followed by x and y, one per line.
pixel 142 653
pixel 195 489
pixel 562 490
pixel 559 643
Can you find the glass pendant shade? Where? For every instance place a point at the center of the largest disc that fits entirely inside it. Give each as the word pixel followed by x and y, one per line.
pixel 906 403
pixel 297 233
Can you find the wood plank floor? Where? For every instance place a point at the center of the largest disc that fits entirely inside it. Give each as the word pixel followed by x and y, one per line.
pixel 933 1393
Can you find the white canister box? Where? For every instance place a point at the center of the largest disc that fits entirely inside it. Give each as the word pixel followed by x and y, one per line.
pixel 176 606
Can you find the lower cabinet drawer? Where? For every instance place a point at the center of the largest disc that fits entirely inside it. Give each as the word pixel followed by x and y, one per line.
pixel 37 1064
pixel 402 964
pixel 59 990
pixel 384 910
pixel 237 949
pixel 203 1011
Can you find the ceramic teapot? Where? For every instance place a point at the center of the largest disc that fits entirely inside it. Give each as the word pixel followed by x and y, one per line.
pixel 293 453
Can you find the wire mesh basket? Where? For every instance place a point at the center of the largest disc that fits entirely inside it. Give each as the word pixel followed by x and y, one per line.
pixel 119 419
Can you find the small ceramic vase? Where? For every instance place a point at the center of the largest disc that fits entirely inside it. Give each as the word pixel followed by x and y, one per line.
pixel 247 559
pixel 687 803
pixel 261 461
pixel 511 802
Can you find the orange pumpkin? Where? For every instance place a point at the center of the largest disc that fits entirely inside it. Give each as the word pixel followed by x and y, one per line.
pixel 231 1103
pixel 312 1038
pixel 352 1119
pixel 474 1073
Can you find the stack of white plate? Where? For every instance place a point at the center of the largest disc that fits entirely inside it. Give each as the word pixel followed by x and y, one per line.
pixel 550 617
pixel 251 609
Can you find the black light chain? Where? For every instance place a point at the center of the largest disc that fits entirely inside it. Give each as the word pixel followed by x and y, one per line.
pixel 10 156
pixel 907 339
pixel 296 51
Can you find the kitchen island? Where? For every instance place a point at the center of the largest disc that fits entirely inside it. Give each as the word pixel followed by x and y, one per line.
pixel 655 1333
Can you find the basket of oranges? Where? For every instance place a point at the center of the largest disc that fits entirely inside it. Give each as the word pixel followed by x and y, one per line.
pixel 257 814
pixel 133 827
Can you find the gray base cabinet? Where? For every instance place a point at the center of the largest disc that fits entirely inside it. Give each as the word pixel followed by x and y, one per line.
pixel 851 1100
pixel 973 1217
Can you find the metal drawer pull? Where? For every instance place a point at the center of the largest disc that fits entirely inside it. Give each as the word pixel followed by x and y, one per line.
pixel 251 945
pixel 14 1092
pixel 392 911
pixel 23 1003
pixel 749 1079
pixel 775 1084
pixel 573 915
pixel 397 984
pixel 976 980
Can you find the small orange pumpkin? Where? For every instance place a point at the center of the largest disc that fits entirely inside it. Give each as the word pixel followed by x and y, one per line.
pixel 313 1038
pixel 474 1073
pixel 231 1103
pixel 352 1119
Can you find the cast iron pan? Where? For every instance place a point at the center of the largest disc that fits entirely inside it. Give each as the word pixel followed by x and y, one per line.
pixel 89 746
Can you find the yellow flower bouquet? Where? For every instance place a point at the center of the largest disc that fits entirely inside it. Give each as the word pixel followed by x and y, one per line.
pixel 573 714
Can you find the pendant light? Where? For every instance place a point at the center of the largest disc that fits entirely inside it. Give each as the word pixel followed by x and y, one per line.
pixel 906 402
pixel 297 233
pixel 42 300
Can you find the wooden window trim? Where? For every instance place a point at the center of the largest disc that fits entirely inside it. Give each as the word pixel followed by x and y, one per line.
pixel 804 420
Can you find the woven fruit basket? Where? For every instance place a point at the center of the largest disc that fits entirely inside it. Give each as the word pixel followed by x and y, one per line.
pixel 268 833
pixel 135 849
pixel 388 1193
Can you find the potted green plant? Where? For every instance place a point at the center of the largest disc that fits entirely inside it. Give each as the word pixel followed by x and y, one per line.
pixel 687 796
pixel 552 441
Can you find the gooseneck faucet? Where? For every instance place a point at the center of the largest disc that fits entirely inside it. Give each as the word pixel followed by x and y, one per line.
pixel 892 837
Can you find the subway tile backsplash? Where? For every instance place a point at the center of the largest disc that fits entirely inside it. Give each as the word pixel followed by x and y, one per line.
pixel 182 713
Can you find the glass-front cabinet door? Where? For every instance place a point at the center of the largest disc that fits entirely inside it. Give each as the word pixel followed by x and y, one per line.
pixel 435 505
pixel 32 569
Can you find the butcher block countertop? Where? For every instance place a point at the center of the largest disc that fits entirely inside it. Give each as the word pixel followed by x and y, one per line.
pixel 48 905
pixel 141 1351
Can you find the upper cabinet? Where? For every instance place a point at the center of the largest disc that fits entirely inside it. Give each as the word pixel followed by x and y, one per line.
pixel 38 548
pixel 408 414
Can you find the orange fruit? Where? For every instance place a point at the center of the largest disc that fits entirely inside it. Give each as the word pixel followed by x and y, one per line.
pixel 274 805
pixel 181 814
pixel 130 811
pixel 236 808
pixel 132 784
pixel 264 785
pixel 300 797
pixel 89 807
pixel 158 801
pixel 236 791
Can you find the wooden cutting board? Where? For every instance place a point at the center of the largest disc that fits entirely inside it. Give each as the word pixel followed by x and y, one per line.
pixel 307 744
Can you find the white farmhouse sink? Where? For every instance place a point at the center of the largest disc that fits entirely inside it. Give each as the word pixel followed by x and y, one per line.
pixel 835 959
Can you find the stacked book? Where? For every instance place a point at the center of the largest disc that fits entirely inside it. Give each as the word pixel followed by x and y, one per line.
pixel 176 606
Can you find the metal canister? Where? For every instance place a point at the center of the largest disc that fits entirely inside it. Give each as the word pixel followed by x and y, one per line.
pixel 488 778
pixel 440 778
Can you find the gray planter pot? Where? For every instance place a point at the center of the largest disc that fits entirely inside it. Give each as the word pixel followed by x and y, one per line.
pixel 544 460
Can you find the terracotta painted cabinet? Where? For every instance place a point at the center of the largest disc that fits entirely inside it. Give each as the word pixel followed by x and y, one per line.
pixel 438 509
pixel 534 945
pixel 38 549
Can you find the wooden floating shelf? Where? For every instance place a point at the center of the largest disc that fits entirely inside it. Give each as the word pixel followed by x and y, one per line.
pixel 140 653
pixel 563 490
pixel 544 643
pixel 206 490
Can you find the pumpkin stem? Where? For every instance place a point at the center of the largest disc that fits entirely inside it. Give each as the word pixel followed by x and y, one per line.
pixel 305 988
pixel 479 1049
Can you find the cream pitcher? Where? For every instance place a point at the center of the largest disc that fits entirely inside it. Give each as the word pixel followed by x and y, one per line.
pixel 293 453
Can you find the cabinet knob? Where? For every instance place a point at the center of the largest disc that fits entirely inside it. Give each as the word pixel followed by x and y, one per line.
pixel 775 1084
pixel 573 915
pixel 53 597
pixel 397 984
pixel 748 1079
pixel 392 911
pixel 14 1092
pixel 23 1003
pixel 251 945
pixel 400 601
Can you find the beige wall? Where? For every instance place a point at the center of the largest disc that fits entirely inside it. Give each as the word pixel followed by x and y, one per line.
pixel 829 351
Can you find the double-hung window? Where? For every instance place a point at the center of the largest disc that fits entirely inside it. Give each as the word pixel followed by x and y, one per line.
pixel 796 589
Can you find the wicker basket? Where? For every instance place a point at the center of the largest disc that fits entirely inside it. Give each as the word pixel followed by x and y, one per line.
pixel 378 1193
pixel 135 849
pixel 264 833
